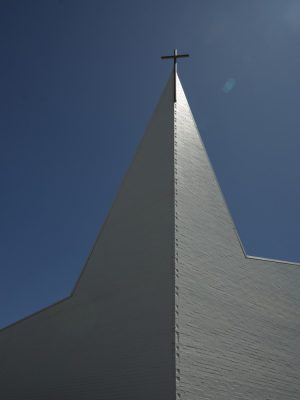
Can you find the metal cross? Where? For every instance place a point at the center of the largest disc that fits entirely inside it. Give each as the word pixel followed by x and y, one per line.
pixel 175 56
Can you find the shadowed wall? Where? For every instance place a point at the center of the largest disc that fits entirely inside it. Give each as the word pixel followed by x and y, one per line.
pixel 113 338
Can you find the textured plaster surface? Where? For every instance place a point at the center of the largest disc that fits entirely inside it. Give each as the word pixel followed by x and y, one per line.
pixel 237 319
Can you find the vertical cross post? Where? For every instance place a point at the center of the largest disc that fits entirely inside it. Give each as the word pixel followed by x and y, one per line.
pixel 174 57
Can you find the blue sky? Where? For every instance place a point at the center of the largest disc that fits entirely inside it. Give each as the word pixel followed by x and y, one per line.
pixel 78 83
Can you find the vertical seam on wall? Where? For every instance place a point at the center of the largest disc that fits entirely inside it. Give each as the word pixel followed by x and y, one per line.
pixel 176 292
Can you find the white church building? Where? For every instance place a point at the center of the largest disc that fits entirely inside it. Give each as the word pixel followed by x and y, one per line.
pixel 168 306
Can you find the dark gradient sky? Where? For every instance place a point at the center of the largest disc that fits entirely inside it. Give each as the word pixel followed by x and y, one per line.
pixel 78 83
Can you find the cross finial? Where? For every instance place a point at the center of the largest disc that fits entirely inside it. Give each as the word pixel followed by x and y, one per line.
pixel 175 56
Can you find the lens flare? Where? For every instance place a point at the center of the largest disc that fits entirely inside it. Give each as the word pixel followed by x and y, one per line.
pixel 229 85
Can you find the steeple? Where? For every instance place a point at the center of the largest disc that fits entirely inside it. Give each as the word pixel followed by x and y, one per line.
pixel 168 305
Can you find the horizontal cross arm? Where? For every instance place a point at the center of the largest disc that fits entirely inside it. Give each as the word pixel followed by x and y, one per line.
pixel 175 56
